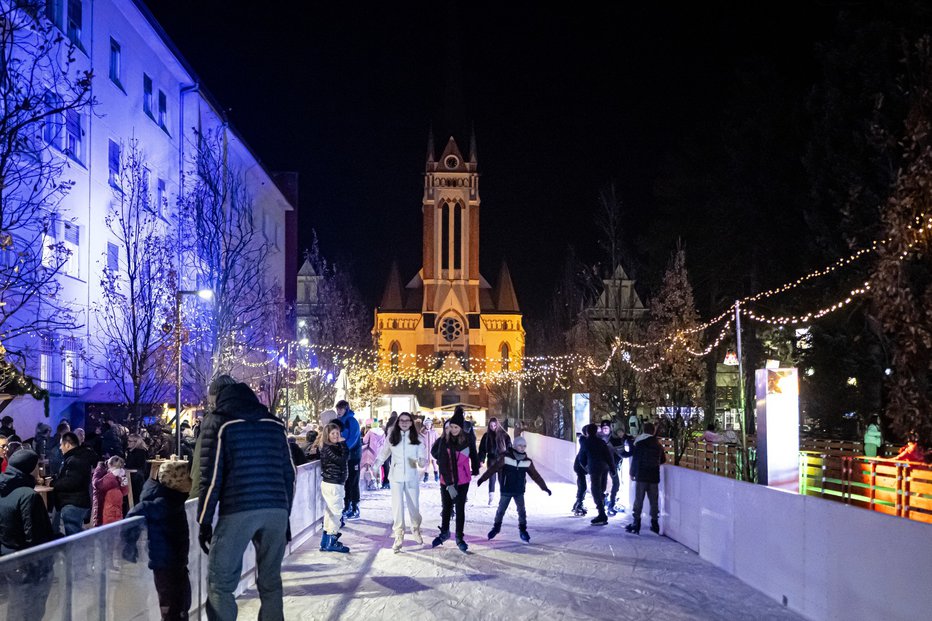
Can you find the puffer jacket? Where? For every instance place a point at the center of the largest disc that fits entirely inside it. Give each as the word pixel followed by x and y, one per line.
pixel 245 462
pixel 406 459
pixel 73 484
pixel 458 463
pixel 352 434
pixel 167 523
pixel 108 497
pixel 24 520
pixel 514 466
pixel 333 458
pixel 646 458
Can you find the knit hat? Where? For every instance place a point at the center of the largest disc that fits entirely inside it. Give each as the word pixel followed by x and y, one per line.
pixel 174 475
pixel 24 460
pixel 458 418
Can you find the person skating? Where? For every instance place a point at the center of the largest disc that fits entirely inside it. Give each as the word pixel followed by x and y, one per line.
pixel 407 454
pixel 351 433
pixel 458 462
pixel 646 458
pixel 333 468
pixel 428 437
pixel 513 465
pixel 494 443
pixel 372 444
pixel 594 453
pixel 617 448
pixel 579 469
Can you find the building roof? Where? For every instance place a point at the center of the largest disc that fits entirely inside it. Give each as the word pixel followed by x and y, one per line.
pixel 506 300
pixel 391 297
pixel 307 270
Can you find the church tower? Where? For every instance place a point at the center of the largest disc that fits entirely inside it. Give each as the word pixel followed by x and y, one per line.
pixel 448 315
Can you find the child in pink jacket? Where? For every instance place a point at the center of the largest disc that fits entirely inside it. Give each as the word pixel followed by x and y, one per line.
pixel 110 487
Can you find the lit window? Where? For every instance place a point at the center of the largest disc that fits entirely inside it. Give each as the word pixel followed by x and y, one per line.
pixel 506 357
pixel 116 63
pixel 69 371
pixel 113 160
pixel 71 240
pixel 396 352
pixel 163 111
pixel 147 94
pixel 45 370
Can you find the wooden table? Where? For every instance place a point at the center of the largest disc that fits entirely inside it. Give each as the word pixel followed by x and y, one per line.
pixel 154 469
pixel 43 490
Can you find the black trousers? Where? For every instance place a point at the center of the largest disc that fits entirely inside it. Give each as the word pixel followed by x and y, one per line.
pixel 616 483
pixel 352 484
pixel 448 503
pixel 581 485
pixel 599 480
pixel 174 590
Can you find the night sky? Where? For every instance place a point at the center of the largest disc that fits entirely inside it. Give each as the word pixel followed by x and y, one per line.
pixel 562 104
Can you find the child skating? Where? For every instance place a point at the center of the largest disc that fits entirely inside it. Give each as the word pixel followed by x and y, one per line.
pixel 458 461
pixel 334 470
pixel 513 465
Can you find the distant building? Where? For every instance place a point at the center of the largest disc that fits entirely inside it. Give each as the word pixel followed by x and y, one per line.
pixel 448 315
pixel 146 91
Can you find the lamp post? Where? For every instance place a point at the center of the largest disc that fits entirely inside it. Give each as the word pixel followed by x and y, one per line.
pixel 204 294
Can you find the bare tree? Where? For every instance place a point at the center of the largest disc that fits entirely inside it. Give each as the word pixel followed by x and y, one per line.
pixel 138 281
pixel 43 100
pixel 223 246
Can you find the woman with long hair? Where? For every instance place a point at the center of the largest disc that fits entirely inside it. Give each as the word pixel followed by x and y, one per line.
pixel 407 454
pixel 333 468
pixel 458 462
pixel 428 437
pixel 492 446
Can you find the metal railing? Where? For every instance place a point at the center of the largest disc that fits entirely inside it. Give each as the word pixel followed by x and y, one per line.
pixel 900 488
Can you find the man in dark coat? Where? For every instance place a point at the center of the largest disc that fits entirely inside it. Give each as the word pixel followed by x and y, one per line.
pixel 595 454
pixel 646 458
pixel 6 427
pixel 73 484
pixel 248 478
pixel 24 523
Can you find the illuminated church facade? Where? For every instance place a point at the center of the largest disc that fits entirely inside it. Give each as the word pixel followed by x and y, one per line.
pixel 448 315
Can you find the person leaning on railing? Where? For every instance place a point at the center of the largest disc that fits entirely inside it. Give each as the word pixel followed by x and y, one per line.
pixel 913 451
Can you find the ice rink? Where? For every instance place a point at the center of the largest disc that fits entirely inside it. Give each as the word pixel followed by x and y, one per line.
pixel 570 570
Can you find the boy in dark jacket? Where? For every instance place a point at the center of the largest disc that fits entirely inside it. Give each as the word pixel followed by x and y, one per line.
pixel 646 458
pixel 161 503
pixel 513 465
pixel 597 458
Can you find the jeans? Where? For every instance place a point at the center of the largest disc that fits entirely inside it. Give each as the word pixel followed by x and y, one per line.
pixel 73 518
pixel 173 586
pixel 265 528
pixel 503 503
pixel 448 504
pixel 639 491
pixel 616 483
pixel 352 485
pixel 599 479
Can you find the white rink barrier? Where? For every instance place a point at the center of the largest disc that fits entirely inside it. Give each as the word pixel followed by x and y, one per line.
pixel 554 454
pixel 820 558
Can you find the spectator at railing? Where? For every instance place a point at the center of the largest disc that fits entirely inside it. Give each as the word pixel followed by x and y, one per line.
pixel 710 435
pixel 913 451
pixel 873 439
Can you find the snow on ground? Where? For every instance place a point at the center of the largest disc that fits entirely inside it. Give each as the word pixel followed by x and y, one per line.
pixel 570 570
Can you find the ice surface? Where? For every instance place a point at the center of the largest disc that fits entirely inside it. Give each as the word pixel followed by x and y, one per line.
pixel 570 570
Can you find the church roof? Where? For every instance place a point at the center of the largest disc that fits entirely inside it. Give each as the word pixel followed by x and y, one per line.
pixel 307 269
pixel 507 301
pixel 391 298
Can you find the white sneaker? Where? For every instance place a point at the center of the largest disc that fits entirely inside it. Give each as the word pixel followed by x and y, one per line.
pixel 416 531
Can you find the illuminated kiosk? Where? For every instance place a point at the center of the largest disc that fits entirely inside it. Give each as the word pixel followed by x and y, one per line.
pixel 777 393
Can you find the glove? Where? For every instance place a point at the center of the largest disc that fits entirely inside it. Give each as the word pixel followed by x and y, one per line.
pixel 549 493
pixel 479 484
pixel 204 536
pixel 451 490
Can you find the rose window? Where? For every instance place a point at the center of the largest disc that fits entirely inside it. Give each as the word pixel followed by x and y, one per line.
pixel 451 329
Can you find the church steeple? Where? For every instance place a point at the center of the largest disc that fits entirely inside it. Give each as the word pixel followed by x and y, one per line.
pixel 507 301
pixel 430 144
pixel 473 155
pixel 391 298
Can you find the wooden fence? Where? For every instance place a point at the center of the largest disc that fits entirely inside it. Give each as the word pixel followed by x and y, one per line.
pixel 721 459
pixel 899 488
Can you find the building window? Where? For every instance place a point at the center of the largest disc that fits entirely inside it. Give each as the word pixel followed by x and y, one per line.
pixel 451 329
pixel 147 94
pixel 54 10
pixel 53 121
pixel 163 111
pixel 113 257
pixel 160 197
pixel 506 357
pixel 396 355
pixel 445 237
pixel 45 370
pixel 116 63
pixel 457 236
pixel 74 135
pixel 69 366
pixel 75 20
pixel 71 239
pixel 113 160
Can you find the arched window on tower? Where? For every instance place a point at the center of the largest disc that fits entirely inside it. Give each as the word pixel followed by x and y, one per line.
pixel 506 357
pixel 457 236
pixel 445 237
pixel 395 355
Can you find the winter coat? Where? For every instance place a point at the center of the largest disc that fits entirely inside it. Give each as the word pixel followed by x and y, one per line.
pixel 297 455
pixel 54 454
pixel 245 462
pixel 579 464
pixel 73 484
pixel 406 459
pixel 167 523
pixel 646 458
pixel 24 520
pixel 514 467
pixel 872 435
pixel 371 446
pixel 428 437
pixel 108 497
pixel 351 434
pixel 457 463
pixel 595 455
pixel 493 445
pixel 333 463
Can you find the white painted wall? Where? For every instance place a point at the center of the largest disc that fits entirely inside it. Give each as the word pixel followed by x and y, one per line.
pixel 829 560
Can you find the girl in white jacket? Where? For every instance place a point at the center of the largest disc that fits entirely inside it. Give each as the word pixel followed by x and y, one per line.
pixel 408 454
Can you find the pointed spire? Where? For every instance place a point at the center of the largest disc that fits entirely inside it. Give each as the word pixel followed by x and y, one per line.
pixel 507 301
pixel 452 149
pixel 430 144
pixel 473 153
pixel 391 298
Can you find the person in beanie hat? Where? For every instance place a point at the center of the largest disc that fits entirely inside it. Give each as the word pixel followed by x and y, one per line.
pixel 161 503
pixel 458 462
pixel 24 523
pixel 514 465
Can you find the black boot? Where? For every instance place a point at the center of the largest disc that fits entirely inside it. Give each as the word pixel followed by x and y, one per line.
pixel 655 526
pixel 634 527
pixel 600 520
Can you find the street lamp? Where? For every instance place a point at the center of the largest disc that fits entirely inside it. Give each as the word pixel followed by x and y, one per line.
pixel 204 294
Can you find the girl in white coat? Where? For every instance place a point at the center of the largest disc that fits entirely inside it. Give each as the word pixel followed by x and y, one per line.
pixel 408 454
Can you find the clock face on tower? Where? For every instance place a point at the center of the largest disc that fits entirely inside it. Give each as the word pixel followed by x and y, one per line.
pixel 451 162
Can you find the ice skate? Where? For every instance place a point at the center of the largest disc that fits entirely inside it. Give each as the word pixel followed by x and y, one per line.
pixel 526 538
pixel 634 527
pixel 655 526
pixel 599 520
pixel 461 544
pixel 439 539
pixel 425 477
pixel 416 533
pixel 495 530
pixel 436 477
pixel 399 541
pixel 578 509
pixel 610 509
